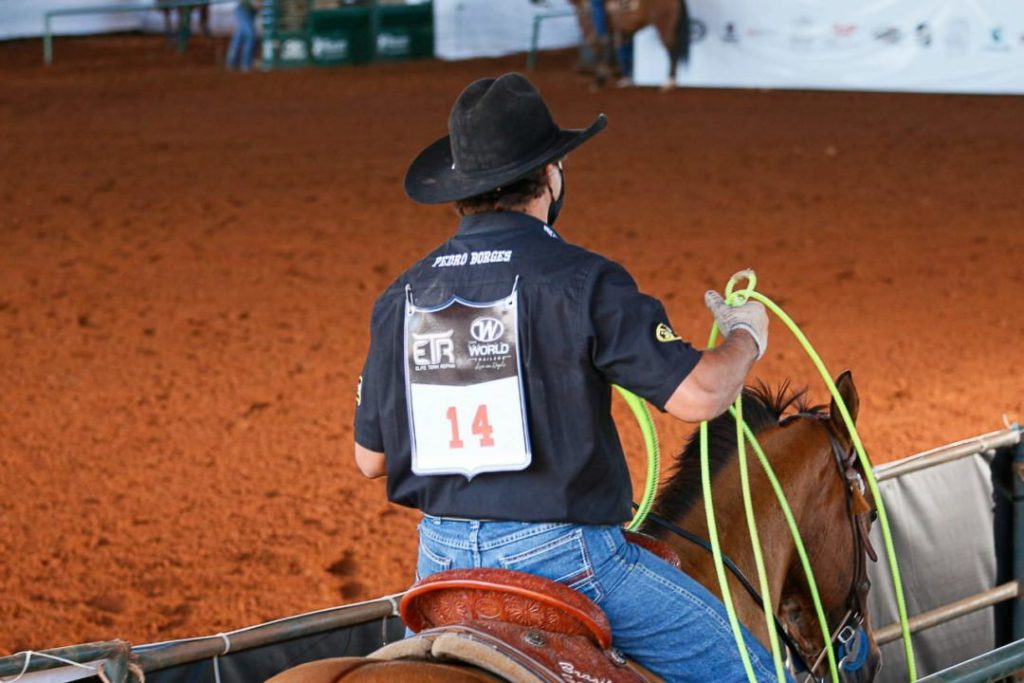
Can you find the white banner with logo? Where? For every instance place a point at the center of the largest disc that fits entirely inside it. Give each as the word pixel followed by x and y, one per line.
pixel 964 46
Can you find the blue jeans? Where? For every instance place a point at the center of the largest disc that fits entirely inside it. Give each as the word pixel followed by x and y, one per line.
pixel 242 39
pixel 625 52
pixel 660 617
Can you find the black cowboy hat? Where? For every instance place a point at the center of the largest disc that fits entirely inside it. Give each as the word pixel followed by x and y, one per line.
pixel 500 129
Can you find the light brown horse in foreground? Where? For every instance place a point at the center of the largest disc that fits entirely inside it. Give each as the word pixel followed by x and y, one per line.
pixel 809 451
pixel 670 18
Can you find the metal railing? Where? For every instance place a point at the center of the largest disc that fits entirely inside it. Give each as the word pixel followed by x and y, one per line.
pixel 531 56
pixel 985 668
pixel 183 28
pixel 116 657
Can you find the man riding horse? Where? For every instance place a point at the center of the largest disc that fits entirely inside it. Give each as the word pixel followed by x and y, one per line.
pixel 486 394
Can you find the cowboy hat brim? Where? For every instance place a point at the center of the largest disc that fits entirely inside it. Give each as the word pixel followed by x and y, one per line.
pixel 432 178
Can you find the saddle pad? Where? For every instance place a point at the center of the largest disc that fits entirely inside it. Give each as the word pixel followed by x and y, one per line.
pixel 515 653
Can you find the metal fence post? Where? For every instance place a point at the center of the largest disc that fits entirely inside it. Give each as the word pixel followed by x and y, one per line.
pixel 184 27
pixel 47 40
pixel 531 57
pixel 1018 537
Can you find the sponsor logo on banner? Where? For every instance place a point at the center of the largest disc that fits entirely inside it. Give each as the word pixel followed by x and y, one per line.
pixel 802 38
pixel 890 35
pixel 328 47
pixel 958 35
pixel 393 44
pixel 698 30
pixel 434 351
pixel 997 40
pixel 843 34
pixel 730 35
pixel 923 33
pixel 843 30
pixel 759 32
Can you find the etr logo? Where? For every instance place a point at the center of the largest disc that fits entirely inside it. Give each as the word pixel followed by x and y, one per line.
pixel 433 349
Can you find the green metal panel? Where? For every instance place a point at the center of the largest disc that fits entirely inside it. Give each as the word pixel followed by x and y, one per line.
pixel 405 31
pixel 341 36
pixel 285 33
pixel 304 32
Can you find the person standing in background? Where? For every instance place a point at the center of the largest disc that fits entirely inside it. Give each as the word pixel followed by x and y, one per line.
pixel 243 38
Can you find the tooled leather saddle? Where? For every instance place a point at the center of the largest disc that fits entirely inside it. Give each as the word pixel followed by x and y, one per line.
pixel 517 626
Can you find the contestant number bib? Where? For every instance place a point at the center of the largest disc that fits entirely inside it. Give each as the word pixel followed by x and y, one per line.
pixel 464 388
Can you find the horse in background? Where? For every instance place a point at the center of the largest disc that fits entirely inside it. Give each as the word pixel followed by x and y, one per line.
pixel 810 452
pixel 609 26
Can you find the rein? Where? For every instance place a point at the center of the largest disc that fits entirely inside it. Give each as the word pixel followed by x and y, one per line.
pixel 858 510
pixel 740 576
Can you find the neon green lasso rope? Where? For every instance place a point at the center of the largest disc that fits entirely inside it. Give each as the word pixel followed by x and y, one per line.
pixel 735 298
pixel 643 417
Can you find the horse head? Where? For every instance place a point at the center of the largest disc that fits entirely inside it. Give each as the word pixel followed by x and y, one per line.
pixel 810 450
pixel 841 572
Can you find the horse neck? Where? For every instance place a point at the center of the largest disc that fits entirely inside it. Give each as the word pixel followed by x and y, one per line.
pixel 802 463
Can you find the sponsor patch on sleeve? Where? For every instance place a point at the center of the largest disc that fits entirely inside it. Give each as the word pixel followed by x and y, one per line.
pixel 359 392
pixel 664 334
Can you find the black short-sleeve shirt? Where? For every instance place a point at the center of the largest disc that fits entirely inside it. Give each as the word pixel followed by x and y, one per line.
pixel 583 326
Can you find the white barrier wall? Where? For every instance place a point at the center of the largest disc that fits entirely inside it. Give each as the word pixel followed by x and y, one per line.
pixel 491 28
pixel 24 18
pixel 966 46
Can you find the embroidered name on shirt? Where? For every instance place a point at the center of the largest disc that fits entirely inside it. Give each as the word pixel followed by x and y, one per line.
pixel 475 258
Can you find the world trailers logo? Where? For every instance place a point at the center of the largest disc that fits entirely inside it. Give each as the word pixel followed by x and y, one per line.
pixel 486 330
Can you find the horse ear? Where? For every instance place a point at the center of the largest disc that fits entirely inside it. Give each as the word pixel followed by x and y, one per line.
pixel 848 392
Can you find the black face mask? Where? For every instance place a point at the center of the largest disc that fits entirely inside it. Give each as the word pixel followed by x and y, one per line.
pixel 556 204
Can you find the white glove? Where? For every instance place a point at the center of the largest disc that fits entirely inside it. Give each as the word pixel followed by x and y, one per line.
pixel 750 317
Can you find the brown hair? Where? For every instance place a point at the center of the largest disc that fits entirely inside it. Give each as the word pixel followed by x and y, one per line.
pixel 509 197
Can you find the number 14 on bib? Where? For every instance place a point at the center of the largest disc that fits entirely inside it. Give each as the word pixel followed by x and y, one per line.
pixel 464 388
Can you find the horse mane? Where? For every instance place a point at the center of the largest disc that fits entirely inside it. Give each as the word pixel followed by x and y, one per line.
pixel 762 409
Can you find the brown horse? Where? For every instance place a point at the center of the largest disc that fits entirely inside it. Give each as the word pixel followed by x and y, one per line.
pixel 809 451
pixel 671 19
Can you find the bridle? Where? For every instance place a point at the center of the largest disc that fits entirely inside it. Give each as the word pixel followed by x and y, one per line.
pixel 849 635
pixel 860 514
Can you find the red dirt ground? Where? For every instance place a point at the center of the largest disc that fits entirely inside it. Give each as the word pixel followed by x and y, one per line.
pixel 188 260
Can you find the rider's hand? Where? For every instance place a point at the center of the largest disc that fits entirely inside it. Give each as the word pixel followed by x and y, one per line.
pixel 750 317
